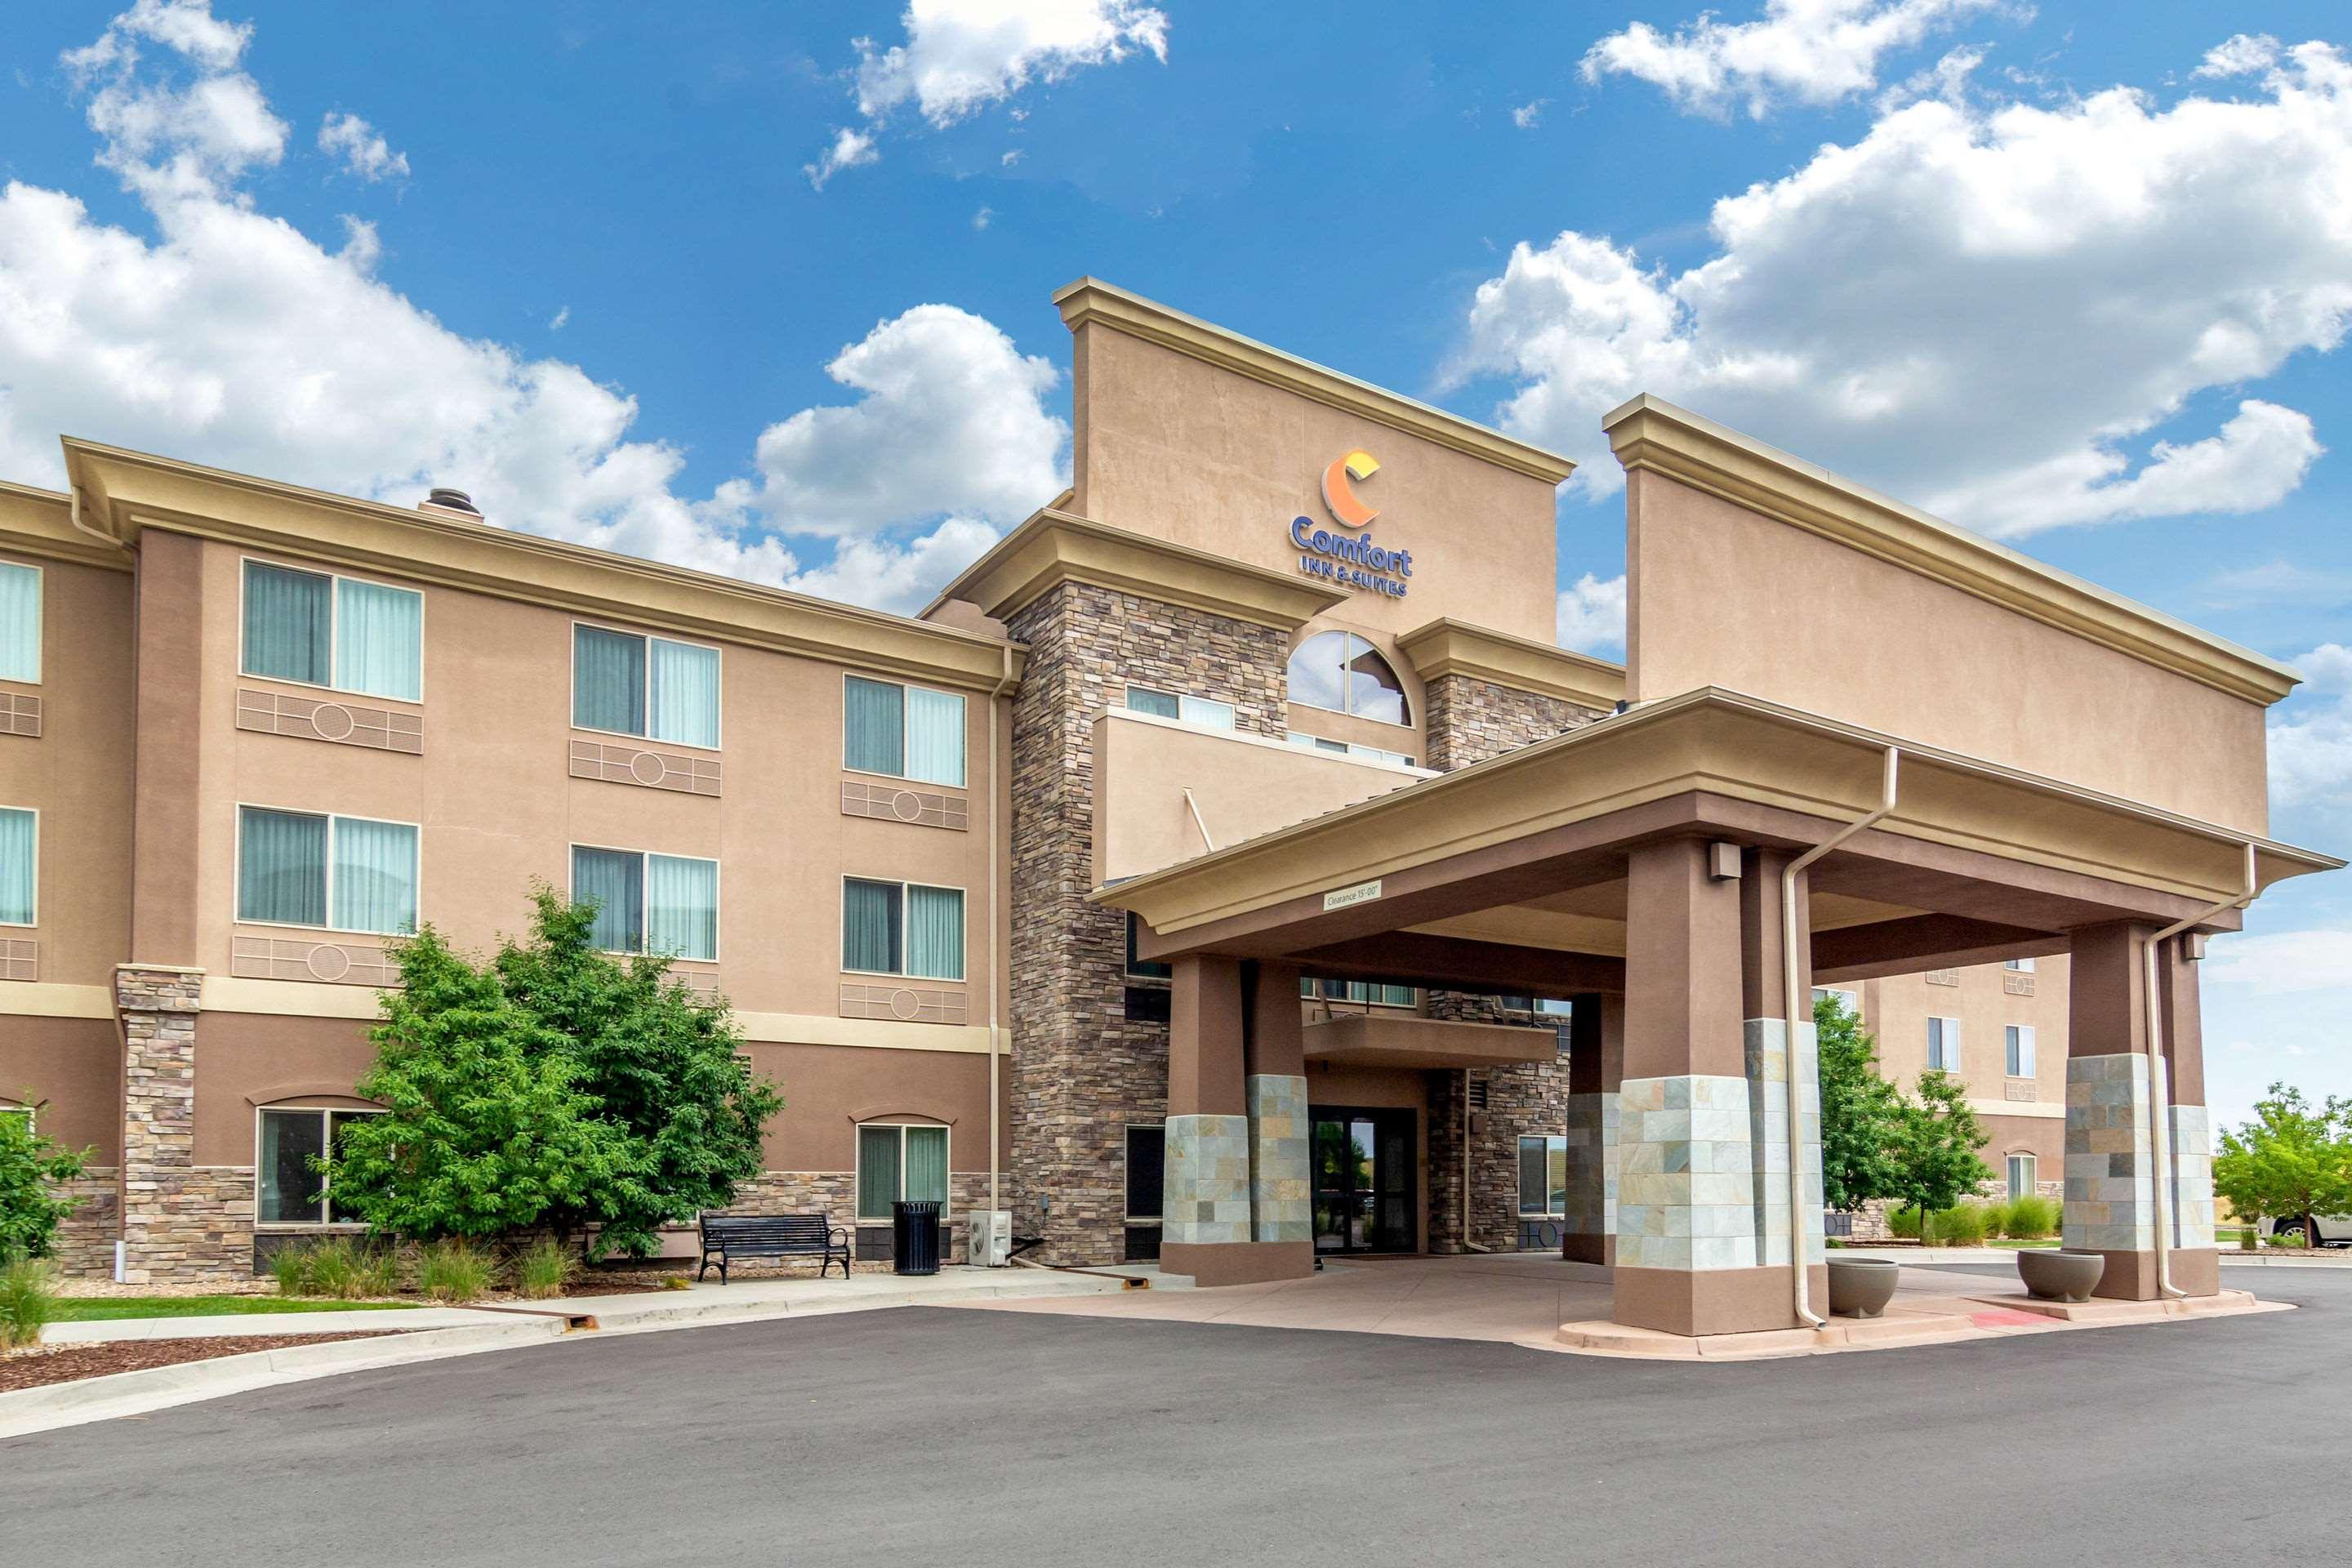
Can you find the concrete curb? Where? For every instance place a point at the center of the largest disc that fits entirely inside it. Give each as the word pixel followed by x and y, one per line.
pixel 31 1410
pixel 716 1313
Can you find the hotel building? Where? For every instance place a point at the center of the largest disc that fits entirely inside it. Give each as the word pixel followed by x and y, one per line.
pixel 1227 868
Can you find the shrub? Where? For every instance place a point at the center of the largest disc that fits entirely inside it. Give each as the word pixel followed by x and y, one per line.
pixel 1999 1215
pixel 1963 1226
pixel 335 1266
pixel 2034 1215
pixel 1904 1222
pixel 455 1269
pixel 28 1302
pixel 30 1168
pixel 545 1269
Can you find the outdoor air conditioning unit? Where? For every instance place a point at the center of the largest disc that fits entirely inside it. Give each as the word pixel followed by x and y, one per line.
pixel 991 1234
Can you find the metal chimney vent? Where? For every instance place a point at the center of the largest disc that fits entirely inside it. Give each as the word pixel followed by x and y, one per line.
pixel 453 500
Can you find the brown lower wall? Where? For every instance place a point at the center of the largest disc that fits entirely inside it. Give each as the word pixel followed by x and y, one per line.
pixel 71 1069
pixel 1713 1300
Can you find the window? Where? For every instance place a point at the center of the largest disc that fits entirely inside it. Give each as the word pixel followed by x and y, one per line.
pixel 337 632
pixel 895 1163
pixel 1205 712
pixel 20 623
pixel 630 685
pixel 1341 671
pixel 1552 1008
pixel 2023 1170
pixel 1348 748
pixel 649 903
pixel 1543 1175
pixel 1849 1002
pixel 1144 968
pixel 20 852
pixel 1368 993
pixel 901 928
pixel 1944 1043
pixel 291 1192
pixel 2023 965
pixel 1147 1164
pixel 2018 1055
pixel 905 731
pixel 338 873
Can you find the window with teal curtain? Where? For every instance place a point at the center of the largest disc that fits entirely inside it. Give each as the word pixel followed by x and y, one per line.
pixel 874 726
pixel 871 937
pixel 608 681
pixel 682 907
pixel 379 640
pixel 282 866
pixel 18 847
pixel 878 1170
pixel 375 876
pixel 1144 699
pixel 935 933
pixel 613 880
pixel 935 737
pixel 288 624
pixel 684 693
pixel 926 1165
pixel 20 622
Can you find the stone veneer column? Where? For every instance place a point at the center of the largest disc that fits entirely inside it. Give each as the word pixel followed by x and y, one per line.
pixel 1596 1071
pixel 1082 1071
pixel 178 1223
pixel 1783 1070
pixel 1282 1197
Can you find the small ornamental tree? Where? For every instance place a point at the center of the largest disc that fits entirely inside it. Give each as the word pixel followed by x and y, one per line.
pixel 2291 1162
pixel 1862 1113
pixel 30 1166
pixel 1936 1147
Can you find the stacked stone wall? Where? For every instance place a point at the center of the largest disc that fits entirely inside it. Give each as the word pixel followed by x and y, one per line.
pixel 1082 1071
pixel 1469 719
pixel 83 1248
pixel 179 1221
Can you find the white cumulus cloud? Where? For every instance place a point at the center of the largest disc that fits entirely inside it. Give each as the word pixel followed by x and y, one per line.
pixel 1804 51
pixel 2311 735
pixel 898 577
pixel 851 148
pixel 1591 614
pixel 1977 309
pixel 361 148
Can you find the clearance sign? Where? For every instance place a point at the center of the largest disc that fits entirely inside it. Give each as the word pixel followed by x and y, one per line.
pixel 1349 559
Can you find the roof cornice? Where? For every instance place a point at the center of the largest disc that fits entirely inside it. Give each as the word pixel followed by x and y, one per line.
pixel 1649 432
pixel 41 522
pixel 1448 647
pixel 122 492
pixel 1054 547
pixel 1091 302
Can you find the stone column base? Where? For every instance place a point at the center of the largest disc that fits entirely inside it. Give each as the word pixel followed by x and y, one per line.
pixel 1238 1262
pixel 1281 1187
pixel 1713 1300
pixel 2131 1276
pixel 1206 1196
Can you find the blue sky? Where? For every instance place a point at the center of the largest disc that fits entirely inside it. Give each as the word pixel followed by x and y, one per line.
pixel 2066 274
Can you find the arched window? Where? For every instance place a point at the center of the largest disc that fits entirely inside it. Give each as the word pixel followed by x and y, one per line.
pixel 1341 671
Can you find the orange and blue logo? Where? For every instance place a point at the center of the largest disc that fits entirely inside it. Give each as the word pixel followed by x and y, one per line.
pixel 1351 558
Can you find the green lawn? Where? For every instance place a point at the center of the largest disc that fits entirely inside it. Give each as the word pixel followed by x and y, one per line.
pixel 2014 1243
pixel 98 1309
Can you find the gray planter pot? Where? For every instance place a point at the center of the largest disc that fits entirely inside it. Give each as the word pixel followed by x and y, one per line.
pixel 2065 1275
pixel 1861 1287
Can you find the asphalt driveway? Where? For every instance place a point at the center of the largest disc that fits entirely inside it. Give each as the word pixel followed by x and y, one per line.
pixel 927 1436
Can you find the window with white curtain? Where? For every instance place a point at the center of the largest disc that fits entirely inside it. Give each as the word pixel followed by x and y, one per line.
pixel 1849 1002
pixel 337 873
pixel 2024 1175
pixel 2018 1051
pixel 2023 965
pixel 1944 1045
pixel 648 903
pixel 901 928
pixel 902 732
pixel 20 852
pixel 343 633
pixel 625 684
pixel 1543 1175
pixel 895 1162
pixel 1370 992
pixel 20 623
pixel 287 1138
pixel 1348 749
pixel 1181 706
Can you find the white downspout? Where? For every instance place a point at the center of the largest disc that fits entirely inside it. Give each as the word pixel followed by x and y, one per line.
pixel 995 827
pixel 2159 1078
pixel 1794 1009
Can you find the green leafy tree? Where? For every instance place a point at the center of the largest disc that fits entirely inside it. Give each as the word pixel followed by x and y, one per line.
pixel 665 1065
pixel 2290 1161
pixel 1936 1147
pixel 30 1206
pixel 1862 1113
pixel 488 1126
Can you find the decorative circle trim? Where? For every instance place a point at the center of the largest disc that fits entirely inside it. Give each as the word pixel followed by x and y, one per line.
pixel 907 806
pixel 643 761
pixel 328 961
pixel 905 1006
pixel 332 721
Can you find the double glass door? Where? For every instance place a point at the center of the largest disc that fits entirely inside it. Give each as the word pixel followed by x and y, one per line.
pixel 1364 1167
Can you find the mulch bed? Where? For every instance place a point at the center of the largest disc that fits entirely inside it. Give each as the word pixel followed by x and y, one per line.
pixel 45 1365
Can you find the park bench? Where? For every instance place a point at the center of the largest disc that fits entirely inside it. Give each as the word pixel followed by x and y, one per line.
pixel 726 1236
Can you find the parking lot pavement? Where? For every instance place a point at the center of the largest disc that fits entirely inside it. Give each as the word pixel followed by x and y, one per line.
pixel 927 1436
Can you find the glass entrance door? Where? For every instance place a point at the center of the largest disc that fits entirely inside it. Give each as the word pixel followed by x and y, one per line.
pixel 1364 1167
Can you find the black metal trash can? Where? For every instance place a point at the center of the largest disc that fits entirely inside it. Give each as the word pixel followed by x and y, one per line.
pixel 915 1237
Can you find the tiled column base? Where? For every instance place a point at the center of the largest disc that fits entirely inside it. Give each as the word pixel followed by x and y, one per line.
pixel 1769 1078
pixel 1207 1193
pixel 1281 1195
pixel 1589 1229
pixel 2110 1171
